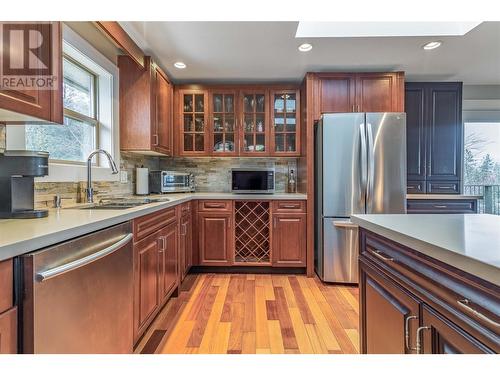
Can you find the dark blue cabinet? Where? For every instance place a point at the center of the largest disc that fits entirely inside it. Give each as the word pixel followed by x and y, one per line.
pixel 434 137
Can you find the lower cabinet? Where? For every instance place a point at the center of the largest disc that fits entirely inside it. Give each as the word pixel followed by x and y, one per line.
pixel 390 315
pixel 411 305
pixel 155 267
pixel 442 206
pixel 168 237
pixel 215 238
pixel 8 331
pixel 440 336
pixel 289 240
pixel 185 245
pixel 147 282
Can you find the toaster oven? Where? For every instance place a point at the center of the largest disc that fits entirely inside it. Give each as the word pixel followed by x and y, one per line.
pixel 170 182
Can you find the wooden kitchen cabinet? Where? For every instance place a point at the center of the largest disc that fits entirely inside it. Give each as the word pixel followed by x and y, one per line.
pixel 434 137
pixel 147 282
pixel 215 236
pixel 411 303
pixel 361 92
pixel 390 314
pixel 223 127
pixel 8 331
pixel 191 124
pixel 289 240
pixel 255 127
pixel 146 108
pixel 440 336
pixel 185 245
pixel 285 122
pixel 168 239
pixel 38 104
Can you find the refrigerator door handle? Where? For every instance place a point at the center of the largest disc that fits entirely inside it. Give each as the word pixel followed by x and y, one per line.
pixel 371 165
pixel 344 224
pixel 363 158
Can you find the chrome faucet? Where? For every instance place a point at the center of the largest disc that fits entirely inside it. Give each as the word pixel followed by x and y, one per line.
pixel 89 191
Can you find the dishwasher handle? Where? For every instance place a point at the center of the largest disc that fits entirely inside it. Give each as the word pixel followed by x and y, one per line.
pixel 64 268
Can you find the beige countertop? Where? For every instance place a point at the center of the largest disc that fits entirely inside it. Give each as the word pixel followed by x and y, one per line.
pixel 21 236
pixel 442 196
pixel 469 242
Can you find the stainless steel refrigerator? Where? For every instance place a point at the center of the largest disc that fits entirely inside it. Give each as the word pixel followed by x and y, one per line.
pixel 360 167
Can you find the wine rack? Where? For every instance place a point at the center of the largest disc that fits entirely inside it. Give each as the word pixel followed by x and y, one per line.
pixel 252 233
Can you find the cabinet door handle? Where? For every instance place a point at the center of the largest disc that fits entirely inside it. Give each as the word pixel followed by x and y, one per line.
pixel 465 304
pixel 440 206
pixel 229 222
pixel 274 222
pixel 155 136
pixel 407 332
pixel 382 256
pixel 419 340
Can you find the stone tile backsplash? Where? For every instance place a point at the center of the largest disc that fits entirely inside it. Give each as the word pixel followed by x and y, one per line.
pixel 213 174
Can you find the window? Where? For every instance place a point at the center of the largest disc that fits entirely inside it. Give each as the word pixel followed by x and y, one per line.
pixel 482 164
pixel 482 153
pixel 74 140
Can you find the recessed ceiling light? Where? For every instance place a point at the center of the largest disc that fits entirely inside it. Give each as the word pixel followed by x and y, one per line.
pixel 432 45
pixel 180 65
pixel 305 47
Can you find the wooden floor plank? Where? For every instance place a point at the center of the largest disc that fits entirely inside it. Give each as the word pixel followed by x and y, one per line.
pixel 236 334
pixel 202 317
pixel 248 343
pixel 317 343
pixel 354 337
pixel 261 332
pixel 275 339
pixel 249 320
pixel 299 328
pixel 177 343
pixel 287 332
pixel 307 316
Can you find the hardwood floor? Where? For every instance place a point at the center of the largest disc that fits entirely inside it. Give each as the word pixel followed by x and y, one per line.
pixel 263 314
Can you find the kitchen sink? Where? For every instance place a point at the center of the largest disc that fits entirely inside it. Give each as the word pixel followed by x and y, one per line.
pixel 120 203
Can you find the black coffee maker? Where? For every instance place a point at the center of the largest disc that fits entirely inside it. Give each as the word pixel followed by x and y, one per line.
pixel 18 170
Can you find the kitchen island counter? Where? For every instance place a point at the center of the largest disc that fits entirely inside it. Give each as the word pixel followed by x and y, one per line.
pixel 470 243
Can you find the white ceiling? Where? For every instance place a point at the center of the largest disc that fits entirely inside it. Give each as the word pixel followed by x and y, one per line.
pixel 267 51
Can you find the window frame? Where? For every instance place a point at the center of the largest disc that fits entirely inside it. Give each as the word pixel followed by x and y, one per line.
pixel 94 121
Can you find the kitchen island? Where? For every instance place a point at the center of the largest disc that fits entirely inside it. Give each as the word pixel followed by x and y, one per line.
pixel 429 283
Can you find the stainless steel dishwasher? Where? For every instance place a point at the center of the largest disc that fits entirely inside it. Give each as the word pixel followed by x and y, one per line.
pixel 78 295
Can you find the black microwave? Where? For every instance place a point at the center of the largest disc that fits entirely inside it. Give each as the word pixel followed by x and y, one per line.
pixel 252 180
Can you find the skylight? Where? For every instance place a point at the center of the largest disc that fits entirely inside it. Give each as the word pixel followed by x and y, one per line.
pixel 381 29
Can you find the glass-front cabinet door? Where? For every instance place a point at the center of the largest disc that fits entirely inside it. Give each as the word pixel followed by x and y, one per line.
pixel 193 138
pixel 254 126
pixel 285 122
pixel 223 129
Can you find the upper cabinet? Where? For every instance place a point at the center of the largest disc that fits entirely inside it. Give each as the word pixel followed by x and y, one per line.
pixel 434 136
pixel 192 122
pixel 237 121
pixel 361 92
pixel 223 139
pixel 285 124
pixel 255 122
pixel 146 108
pixel 37 104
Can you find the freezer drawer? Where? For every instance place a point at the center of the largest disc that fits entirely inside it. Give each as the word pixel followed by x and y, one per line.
pixel 340 250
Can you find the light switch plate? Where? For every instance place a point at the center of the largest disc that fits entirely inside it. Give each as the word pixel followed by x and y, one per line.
pixel 123 177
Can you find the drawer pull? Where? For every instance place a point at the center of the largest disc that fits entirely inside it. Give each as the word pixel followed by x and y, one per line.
pixel 444 187
pixel 382 256
pixel 290 206
pixel 440 206
pixel 214 205
pixel 465 304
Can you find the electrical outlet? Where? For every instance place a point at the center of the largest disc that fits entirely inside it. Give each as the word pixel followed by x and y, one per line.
pixel 123 177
